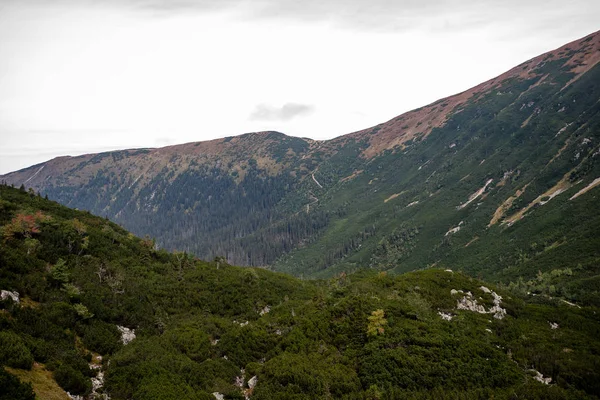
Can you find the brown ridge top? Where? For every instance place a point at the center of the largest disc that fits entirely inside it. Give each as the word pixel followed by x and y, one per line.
pixel 583 54
pixel 232 153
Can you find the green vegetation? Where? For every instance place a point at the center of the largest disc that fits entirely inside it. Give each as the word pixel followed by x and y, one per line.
pixel 201 327
pixel 502 191
pixel 13 389
pixel 411 200
pixel 487 192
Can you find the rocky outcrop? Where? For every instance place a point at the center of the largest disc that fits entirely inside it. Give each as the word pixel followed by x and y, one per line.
pixel 14 296
pixel 540 378
pixel 252 382
pixel 445 316
pixel 265 310
pixel 468 302
pixel 127 335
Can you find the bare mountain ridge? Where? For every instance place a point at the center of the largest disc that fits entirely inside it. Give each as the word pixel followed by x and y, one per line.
pixel 582 55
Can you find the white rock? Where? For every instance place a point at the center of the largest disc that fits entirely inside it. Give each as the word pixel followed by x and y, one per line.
pixel 553 325
pixel 466 303
pixel 453 292
pixel 239 381
pixel 540 378
pixel 265 310
pixel 488 330
pixel 470 304
pixel 485 290
pixel 5 294
pixel 448 270
pixel 98 381
pixel 219 396
pixel 127 335
pixel 445 316
pixel 453 230
pixel 252 382
pixel 498 311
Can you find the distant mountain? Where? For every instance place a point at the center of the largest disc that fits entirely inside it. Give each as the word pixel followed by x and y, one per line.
pixel 499 180
pixel 216 198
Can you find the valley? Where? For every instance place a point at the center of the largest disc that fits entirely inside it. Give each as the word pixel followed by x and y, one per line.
pixel 491 157
pixel 451 252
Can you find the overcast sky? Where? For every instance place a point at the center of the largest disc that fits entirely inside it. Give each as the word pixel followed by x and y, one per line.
pixel 88 76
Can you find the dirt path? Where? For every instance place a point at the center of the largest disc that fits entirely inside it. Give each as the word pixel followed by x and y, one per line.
pixel 316 181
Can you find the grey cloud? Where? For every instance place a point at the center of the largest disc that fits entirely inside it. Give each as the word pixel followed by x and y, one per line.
pixel 380 15
pixel 164 141
pixel 264 112
pixel 441 16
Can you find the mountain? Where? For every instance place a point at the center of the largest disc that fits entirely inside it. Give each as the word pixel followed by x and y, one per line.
pixel 216 198
pixel 87 307
pixel 499 181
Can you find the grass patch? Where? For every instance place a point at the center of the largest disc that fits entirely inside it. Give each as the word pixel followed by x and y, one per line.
pixel 44 385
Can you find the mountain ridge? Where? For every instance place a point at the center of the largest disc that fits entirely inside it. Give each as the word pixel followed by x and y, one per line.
pixel 581 62
pixel 456 177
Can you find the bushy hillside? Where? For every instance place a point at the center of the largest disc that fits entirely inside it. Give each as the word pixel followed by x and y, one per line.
pixel 198 329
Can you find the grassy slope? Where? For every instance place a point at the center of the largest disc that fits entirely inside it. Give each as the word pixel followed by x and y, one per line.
pixel 44 385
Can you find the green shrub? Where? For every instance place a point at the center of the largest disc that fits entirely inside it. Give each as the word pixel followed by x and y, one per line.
pixel 100 336
pixel 13 351
pixel 190 341
pixel 13 389
pixel 72 380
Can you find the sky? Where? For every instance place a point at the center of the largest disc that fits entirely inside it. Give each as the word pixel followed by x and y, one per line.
pixel 84 76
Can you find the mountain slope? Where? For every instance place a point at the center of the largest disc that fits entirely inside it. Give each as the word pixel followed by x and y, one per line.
pixel 487 173
pixel 205 197
pixel 92 298
pixel 484 180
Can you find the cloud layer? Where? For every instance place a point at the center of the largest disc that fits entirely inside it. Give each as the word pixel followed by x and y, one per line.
pixel 372 15
pixel 288 111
